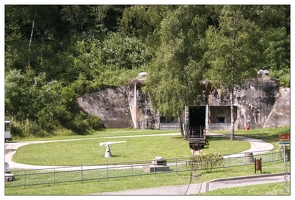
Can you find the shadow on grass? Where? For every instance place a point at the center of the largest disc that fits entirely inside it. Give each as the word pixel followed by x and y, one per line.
pixel 212 138
pixel 217 138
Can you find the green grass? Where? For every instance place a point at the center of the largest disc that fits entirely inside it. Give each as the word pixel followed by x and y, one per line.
pixel 141 144
pixel 88 151
pixel 270 135
pixel 137 182
pixel 271 189
pixel 109 132
pixel 103 185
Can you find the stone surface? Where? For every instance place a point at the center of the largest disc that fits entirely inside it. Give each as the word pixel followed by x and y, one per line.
pixel 110 105
pixel 155 168
pixel 259 104
pixel 280 114
pixel 9 177
pixel 159 161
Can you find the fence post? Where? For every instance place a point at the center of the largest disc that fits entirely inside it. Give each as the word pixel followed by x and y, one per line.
pixel 228 161
pixel 284 154
pixel 25 178
pixel 81 175
pixel 107 171
pixel 54 176
pixel 176 165
pixel 154 170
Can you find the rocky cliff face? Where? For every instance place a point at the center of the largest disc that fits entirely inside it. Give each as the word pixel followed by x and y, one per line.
pixel 260 105
pixel 280 114
pixel 256 101
pixel 110 105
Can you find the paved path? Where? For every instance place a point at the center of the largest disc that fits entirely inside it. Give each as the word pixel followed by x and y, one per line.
pixel 193 189
pixel 11 147
pixel 248 180
pixel 256 145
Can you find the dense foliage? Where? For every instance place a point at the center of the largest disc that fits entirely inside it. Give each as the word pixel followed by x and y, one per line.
pixel 55 53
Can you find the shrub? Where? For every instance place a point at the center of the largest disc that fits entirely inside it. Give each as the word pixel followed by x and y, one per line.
pixel 207 161
pixel 27 128
pixel 93 121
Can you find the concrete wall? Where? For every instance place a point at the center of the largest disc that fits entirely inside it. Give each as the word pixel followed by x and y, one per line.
pixel 258 105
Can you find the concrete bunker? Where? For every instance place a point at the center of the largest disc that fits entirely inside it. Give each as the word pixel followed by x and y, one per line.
pixel 219 117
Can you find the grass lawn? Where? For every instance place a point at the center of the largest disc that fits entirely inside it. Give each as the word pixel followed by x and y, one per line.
pixel 88 152
pixel 109 132
pixel 136 148
pixel 270 135
pixel 271 189
pixel 137 182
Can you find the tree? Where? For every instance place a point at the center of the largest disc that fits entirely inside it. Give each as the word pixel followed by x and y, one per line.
pixel 107 16
pixel 274 22
pixel 175 74
pixel 144 23
pixel 233 52
pixel 276 54
pixel 124 52
pixel 82 48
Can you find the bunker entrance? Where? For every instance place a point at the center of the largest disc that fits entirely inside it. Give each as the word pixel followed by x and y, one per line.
pixel 197 135
pixel 197 116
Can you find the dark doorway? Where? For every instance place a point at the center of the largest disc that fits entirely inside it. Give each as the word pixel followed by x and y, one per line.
pixel 197 116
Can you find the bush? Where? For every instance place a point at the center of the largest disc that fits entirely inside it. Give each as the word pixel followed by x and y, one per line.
pixel 27 128
pixel 93 121
pixel 207 161
pixel 16 130
pixel 79 124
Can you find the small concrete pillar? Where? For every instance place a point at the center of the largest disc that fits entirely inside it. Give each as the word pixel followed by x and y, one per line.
pixel 8 176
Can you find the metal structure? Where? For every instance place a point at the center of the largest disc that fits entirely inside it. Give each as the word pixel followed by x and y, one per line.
pixel 108 152
pixel 195 126
pixel 285 140
pixel 57 175
pixel 197 137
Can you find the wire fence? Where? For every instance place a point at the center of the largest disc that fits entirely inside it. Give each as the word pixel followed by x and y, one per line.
pixel 30 177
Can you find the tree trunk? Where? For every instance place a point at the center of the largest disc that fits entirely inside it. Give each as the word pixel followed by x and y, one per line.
pixel 32 31
pixel 181 123
pixel 232 119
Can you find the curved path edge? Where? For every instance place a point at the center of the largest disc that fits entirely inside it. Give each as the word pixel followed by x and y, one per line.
pixel 193 189
pixel 256 145
pixel 189 189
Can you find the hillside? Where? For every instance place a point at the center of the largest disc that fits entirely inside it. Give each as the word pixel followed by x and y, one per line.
pixel 55 54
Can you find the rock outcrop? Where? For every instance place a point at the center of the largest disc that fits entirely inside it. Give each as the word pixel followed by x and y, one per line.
pixel 258 105
pixel 110 105
pixel 280 113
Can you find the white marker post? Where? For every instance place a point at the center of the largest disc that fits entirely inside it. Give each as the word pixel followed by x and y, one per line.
pixel 108 147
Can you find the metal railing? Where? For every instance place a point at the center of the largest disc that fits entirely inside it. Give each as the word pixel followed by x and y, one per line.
pixel 30 177
pixel 169 126
pixel 219 126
